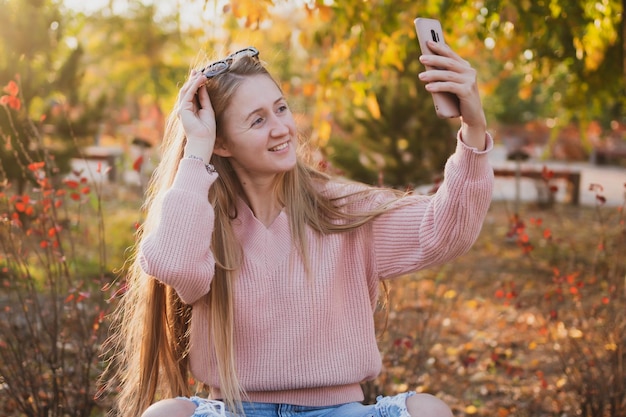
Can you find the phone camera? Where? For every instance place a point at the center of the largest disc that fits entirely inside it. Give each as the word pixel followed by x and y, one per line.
pixel 434 35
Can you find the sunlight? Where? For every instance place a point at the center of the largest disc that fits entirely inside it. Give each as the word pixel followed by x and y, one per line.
pixel 193 12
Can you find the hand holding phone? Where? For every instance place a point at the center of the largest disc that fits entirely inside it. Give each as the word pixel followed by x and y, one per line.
pixel 446 104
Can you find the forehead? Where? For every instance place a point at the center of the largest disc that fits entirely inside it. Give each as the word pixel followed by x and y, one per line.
pixel 254 92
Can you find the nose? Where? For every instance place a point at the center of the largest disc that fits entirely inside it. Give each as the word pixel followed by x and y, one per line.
pixel 278 126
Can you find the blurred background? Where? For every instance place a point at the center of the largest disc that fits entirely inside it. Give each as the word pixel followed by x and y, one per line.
pixel 102 75
pixel 86 86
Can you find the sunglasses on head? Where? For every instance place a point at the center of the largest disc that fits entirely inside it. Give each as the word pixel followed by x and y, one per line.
pixel 223 65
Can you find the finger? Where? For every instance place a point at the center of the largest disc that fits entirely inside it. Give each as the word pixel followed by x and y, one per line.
pixel 191 87
pixel 203 98
pixel 439 75
pixel 186 86
pixel 187 94
pixel 441 48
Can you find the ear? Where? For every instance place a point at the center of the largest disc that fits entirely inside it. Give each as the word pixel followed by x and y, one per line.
pixel 220 148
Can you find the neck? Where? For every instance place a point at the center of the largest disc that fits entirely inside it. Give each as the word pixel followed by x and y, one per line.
pixel 261 198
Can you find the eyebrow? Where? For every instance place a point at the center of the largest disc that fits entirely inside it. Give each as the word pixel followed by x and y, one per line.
pixel 279 99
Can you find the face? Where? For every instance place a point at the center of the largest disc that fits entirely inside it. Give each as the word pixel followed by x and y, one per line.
pixel 260 131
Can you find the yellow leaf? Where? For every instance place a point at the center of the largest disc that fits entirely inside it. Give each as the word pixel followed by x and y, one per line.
pixel 532 345
pixel 450 294
pixel 324 131
pixel 471 409
pixel 372 106
pixel 452 351
pixel 575 333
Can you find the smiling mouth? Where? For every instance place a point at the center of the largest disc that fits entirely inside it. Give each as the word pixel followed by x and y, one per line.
pixel 279 147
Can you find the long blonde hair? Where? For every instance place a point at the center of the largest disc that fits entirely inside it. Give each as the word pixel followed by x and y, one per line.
pixel 150 334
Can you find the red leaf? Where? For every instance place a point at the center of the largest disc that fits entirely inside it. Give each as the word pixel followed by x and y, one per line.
pixel 547 234
pixel 85 190
pixel 71 184
pixel 35 166
pixel 12 102
pixel 20 206
pixel 15 103
pixel 605 300
pixel 546 173
pixel 11 88
pixel 43 244
pixel 138 162
pixel 500 293
pixel 75 196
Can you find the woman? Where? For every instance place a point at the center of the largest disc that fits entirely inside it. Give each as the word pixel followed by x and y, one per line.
pixel 258 274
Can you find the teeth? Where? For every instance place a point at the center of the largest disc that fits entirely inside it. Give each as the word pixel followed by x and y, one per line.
pixel 279 147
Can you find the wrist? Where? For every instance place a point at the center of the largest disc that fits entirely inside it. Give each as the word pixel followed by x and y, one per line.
pixel 208 166
pixel 474 136
pixel 198 147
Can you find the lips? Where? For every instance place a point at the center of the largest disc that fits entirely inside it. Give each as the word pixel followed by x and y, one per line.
pixel 279 147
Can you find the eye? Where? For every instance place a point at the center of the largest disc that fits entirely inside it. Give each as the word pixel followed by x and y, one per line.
pixel 282 108
pixel 257 121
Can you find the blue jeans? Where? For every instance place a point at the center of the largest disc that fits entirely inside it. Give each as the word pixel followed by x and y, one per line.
pixel 394 406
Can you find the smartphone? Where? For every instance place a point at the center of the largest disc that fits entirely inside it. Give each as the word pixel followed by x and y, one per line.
pixel 446 104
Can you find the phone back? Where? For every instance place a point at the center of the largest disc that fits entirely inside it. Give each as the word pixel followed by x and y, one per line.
pixel 446 104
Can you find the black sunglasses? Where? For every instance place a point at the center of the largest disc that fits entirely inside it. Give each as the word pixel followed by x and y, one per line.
pixel 221 66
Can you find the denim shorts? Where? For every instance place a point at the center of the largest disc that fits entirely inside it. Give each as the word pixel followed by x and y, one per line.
pixel 394 406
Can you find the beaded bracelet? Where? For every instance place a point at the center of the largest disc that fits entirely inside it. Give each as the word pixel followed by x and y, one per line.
pixel 209 167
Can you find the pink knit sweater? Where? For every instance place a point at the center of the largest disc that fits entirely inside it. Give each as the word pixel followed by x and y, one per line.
pixel 309 341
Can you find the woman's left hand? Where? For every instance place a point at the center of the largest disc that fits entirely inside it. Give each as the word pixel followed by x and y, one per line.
pixel 451 73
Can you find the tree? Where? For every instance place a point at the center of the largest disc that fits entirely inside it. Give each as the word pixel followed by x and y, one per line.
pixel 44 70
pixel 569 53
pixel 358 75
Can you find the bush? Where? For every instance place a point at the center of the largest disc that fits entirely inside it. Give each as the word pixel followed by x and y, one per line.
pixel 53 289
pixel 582 296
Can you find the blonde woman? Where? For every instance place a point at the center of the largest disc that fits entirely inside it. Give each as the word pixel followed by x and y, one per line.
pixel 258 275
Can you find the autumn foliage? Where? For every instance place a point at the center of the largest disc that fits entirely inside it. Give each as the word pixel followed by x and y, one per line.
pixel 581 298
pixel 53 289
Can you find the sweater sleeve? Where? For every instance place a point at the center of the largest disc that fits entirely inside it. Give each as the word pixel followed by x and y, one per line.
pixel 423 231
pixel 178 251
